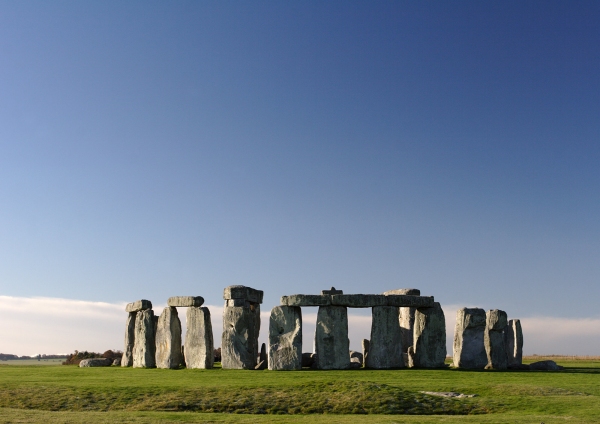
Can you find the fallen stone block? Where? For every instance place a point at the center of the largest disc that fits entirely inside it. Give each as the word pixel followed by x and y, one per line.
pixel 385 346
pixel 356 357
pixel 95 362
pixel 185 301
pixel 168 339
pixel 331 338
pixel 285 338
pixel 116 362
pixel 545 366
pixel 199 343
pixel 138 305
pixel 429 348
pixel 469 333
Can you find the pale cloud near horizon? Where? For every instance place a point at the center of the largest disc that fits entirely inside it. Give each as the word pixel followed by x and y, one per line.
pixel 32 325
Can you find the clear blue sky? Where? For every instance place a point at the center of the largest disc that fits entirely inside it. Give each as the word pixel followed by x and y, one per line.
pixel 151 149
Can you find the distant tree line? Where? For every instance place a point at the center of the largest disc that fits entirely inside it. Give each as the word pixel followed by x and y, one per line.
pixel 9 356
pixel 76 357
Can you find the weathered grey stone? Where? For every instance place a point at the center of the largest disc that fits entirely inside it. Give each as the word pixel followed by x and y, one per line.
pixel 239 343
pixel 199 344
pixel 117 362
pixel 185 301
pixel 262 365
pixel 429 348
pixel 306 300
pixel 356 357
pixel 513 342
pixel 243 292
pixel 144 347
pixel 407 317
pixel 545 366
pixel 138 305
pixel 168 339
pixel 385 347
pixel 262 356
pixel 127 359
pixel 359 300
pixel 469 333
pixel 495 349
pixel 331 338
pixel 285 338
pixel 365 349
pixel 410 301
pixel 332 291
pixel 96 362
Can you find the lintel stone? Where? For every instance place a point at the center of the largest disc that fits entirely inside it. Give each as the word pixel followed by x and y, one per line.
pixel 410 301
pixel 243 292
pixel 306 300
pixel 185 301
pixel 359 300
pixel 138 305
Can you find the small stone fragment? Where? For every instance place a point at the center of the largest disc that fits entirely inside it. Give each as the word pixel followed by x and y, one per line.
pixel 116 362
pixel 332 291
pixel 185 301
pixel 262 365
pixel 365 349
pixel 356 357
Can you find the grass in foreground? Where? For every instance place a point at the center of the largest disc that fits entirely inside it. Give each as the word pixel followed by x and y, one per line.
pixel 71 394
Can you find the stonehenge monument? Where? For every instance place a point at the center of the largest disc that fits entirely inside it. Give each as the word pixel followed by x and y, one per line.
pixel 407 329
pixel 241 326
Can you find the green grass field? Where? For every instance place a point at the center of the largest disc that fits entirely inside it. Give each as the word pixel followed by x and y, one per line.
pixel 71 394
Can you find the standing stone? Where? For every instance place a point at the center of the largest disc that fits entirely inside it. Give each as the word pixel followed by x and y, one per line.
pixel 513 342
pixel 331 338
pixel 385 347
pixel 144 347
pixel 429 348
pixel 199 343
pixel 496 322
pixel 469 333
pixel 407 317
pixel 168 339
pixel 239 344
pixel 285 338
pixel 127 359
pixel 365 349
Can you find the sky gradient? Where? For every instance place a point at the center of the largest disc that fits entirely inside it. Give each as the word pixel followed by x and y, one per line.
pixel 153 149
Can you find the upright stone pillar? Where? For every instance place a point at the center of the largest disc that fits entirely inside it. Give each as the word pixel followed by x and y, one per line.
pixel 241 326
pixel 132 309
pixel 144 348
pixel 385 347
pixel 406 317
pixel 496 322
pixel 199 344
pixel 168 339
pixel 285 338
pixel 513 342
pixel 429 347
pixel 127 359
pixel 469 333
